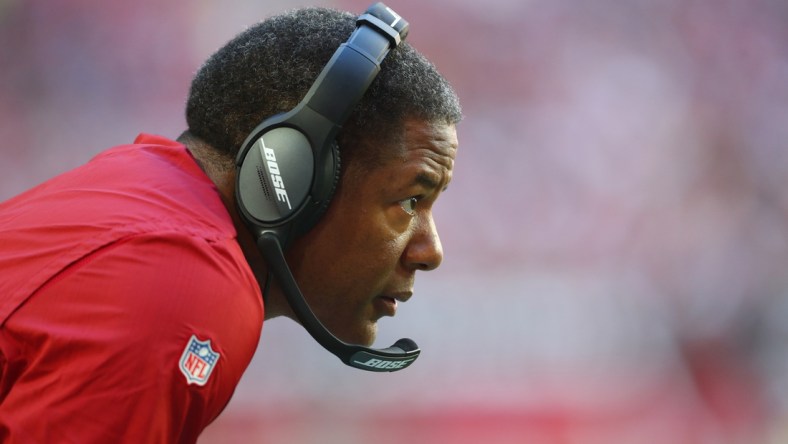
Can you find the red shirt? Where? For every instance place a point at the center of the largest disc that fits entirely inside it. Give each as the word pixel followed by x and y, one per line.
pixel 127 310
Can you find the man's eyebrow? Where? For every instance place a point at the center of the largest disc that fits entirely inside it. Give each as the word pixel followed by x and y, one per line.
pixel 428 181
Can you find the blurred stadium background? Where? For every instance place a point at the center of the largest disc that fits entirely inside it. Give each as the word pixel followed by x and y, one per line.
pixel 616 234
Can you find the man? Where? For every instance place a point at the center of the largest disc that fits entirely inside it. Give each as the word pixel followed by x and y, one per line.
pixel 132 292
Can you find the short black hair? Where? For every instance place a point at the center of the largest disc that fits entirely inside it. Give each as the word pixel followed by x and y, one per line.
pixel 268 68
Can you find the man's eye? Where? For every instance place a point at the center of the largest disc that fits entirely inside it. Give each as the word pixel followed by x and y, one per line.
pixel 409 205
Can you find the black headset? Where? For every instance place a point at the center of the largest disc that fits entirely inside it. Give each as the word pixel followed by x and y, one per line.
pixel 288 168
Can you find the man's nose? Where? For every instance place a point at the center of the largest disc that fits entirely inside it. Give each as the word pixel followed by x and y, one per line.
pixel 424 251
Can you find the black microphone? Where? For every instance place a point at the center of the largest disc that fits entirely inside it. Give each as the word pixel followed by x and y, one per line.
pixel 398 356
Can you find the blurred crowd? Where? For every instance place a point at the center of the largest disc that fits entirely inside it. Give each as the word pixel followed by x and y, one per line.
pixel 616 234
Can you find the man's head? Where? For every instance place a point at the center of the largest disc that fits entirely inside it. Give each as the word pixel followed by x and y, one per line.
pixel 268 69
pixel 397 151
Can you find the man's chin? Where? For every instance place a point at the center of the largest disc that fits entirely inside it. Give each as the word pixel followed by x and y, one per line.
pixel 361 335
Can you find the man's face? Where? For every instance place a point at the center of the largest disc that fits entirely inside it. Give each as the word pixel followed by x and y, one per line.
pixel 361 258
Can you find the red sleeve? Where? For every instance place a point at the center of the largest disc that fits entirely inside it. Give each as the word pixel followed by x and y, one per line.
pixel 101 353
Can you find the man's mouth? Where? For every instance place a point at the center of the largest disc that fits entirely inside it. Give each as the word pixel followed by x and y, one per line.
pixel 388 303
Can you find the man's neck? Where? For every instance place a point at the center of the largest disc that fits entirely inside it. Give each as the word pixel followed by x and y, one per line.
pixel 221 170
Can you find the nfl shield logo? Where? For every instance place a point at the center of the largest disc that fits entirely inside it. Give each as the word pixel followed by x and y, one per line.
pixel 198 361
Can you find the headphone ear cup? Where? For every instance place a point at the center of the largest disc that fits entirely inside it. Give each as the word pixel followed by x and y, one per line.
pixel 327 178
pixel 335 173
pixel 275 174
